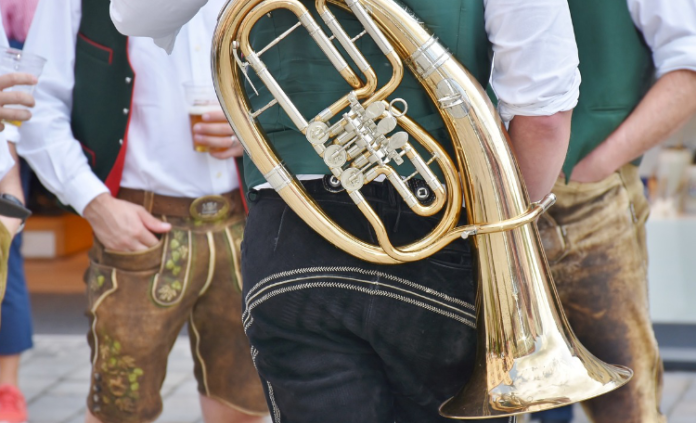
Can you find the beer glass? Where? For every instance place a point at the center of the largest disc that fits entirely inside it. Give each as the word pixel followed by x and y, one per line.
pixel 13 60
pixel 200 99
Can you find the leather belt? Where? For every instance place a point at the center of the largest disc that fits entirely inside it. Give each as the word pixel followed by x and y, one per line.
pixel 206 208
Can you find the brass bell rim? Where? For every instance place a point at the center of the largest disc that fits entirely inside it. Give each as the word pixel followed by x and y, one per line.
pixel 449 410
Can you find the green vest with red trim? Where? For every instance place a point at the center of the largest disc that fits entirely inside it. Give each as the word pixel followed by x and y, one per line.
pixel 103 92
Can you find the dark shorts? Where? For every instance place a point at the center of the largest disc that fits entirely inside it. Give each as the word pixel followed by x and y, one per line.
pixel 138 303
pixel 336 339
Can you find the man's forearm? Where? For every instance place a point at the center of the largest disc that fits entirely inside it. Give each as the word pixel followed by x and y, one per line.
pixel 665 108
pixel 540 144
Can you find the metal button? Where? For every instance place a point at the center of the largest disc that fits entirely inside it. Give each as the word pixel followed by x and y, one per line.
pixel 120 141
pixel 334 182
pixel 129 80
pixel 125 111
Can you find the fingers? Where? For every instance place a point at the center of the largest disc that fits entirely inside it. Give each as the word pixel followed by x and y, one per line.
pixel 122 226
pixel 153 224
pixel 215 116
pixel 10 114
pixel 16 97
pixel 236 151
pixel 213 128
pixel 11 79
pixel 217 142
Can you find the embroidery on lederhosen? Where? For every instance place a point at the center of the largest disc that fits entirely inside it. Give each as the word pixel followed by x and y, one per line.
pixel 171 281
pixel 117 379
pixel 98 282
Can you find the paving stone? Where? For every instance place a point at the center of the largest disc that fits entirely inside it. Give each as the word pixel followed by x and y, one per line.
pixel 69 387
pixel 54 408
pixel 180 410
pixel 55 375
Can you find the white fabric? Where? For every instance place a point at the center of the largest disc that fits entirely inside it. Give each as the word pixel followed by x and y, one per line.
pixel 160 155
pixel 669 28
pixel 6 161
pixel 530 77
pixel 535 63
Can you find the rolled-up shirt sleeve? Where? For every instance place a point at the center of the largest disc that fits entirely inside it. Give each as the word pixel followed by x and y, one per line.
pixel 535 63
pixel 157 19
pixel 669 28
pixel 47 142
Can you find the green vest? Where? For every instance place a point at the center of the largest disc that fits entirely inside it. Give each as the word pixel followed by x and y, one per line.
pixel 103 90
pixel 617 70
pixel 310 80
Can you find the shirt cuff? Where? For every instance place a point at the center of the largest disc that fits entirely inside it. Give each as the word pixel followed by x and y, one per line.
pixel 81 190
pixel 678 54
pixel 559 103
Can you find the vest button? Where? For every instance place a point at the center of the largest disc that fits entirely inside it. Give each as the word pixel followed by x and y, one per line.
pixel 120 141
pixel 129 80
pixel 125 111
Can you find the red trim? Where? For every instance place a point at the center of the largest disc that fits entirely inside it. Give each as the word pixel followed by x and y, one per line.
pixel 241 189
pixel 91 153
pixel 99 46
pixel 113 181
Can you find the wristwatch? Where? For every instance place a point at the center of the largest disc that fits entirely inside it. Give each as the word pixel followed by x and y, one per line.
pixel 12 206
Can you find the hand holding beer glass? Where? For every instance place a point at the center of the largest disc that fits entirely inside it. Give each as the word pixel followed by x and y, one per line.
pixel 210 130
pixel 19 73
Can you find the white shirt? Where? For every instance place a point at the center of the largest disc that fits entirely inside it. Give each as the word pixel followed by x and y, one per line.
pixel 530 77
pixel 159 155
pixel 10 131
pixel 669 28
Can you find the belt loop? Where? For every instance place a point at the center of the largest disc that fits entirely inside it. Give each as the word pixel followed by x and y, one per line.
pixel 148 200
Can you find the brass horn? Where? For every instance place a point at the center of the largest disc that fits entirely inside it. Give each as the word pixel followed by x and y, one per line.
pixel 528 357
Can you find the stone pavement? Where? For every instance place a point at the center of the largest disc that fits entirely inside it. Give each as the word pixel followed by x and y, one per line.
pixel 55 377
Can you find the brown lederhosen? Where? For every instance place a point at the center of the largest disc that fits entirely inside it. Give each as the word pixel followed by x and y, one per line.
pixel 138 303
pixel 594 237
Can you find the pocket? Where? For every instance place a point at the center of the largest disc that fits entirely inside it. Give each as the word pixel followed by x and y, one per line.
pixel 94 49
pixel 553 238
pixel 149 259
pixel 457 256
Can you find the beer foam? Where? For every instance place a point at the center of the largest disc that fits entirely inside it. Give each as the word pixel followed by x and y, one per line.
pixel 201 109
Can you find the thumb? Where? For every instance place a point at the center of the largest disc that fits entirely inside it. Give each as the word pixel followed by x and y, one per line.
pixel 153 224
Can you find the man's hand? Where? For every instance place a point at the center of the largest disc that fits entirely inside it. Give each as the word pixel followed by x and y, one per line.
pixel 216 133
pixel 15 97
pixel 593 168
pixel 123 226
pixel 667 106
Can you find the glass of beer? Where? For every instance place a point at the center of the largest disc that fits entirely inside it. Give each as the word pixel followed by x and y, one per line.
pixel 13 60
pixel 200 99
